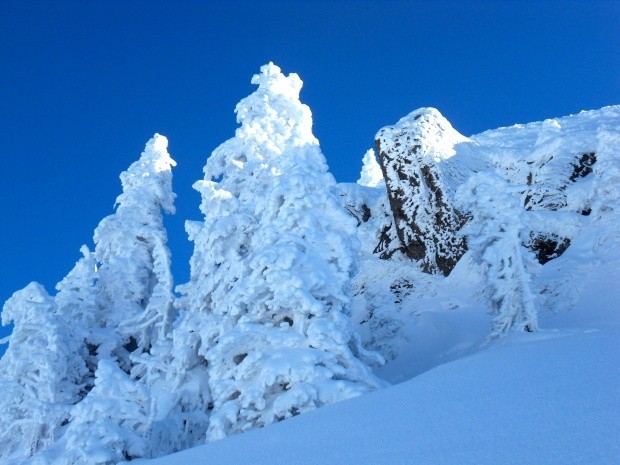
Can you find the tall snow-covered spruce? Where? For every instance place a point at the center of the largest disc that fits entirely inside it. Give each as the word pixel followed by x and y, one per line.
pixel 267 305
pixel 40 375
pixel 496 233
pixel 134 261
pixel 120 299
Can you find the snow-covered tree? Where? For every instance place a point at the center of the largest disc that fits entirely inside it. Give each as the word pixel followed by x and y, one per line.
pixel 496 234
pixel 77 292
pixel 77 301
pixel 134 274
pixel 39 374
pixel 111 423
pixel 119 302
pixel 131 335
pixel 268 301
pixel 371 174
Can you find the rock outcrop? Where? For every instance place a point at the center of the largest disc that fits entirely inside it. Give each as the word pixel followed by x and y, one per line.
pixel 415 158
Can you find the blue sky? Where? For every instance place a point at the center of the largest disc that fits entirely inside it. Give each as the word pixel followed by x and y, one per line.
pixel 83 86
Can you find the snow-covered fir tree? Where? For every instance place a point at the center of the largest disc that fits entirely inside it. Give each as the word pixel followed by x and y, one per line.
pixel 39 375
pixel 134 261
pixel 371 174
pixel 268 301
pixel 77 301
pixel 135 291
pixel 111 424
pixel 496 234
pixel 119 301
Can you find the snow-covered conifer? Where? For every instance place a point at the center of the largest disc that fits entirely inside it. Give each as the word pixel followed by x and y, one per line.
pixel 268 301
pixel 39 374
pixel 371 175
pixel 119 299
pixel 77 292
pixel 111 423
pixel 77 301
pixel 134 261
pixel 495 234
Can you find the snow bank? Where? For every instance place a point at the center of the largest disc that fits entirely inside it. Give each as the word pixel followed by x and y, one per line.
pixel 548 398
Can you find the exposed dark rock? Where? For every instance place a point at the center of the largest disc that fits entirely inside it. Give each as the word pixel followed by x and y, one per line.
pixel 425 222
pixel 389 243
pixel 354 202
pixel 583 167
pixel 550 177
pixel 401 288
pixel 548 246
pixel 237 359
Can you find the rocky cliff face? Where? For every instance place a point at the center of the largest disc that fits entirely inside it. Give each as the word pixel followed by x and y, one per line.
pixel 415 158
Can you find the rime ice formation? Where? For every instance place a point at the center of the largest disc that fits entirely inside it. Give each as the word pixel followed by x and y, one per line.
pixel 412 154
pixel 130 247
pixel 40 374
pixel 101 330
pixel 496 234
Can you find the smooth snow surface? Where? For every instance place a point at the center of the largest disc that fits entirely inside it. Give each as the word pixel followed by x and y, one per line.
pixel 549 398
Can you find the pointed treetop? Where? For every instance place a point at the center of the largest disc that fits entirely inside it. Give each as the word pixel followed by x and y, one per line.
pixel 151 173
pixel 15 308
pixel 271 80
pixel 371 174
pixel 273 114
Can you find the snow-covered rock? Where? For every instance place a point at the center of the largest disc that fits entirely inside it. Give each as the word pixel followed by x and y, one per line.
pixel 413 155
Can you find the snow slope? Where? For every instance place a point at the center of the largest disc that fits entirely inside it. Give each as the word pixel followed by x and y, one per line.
pixel 548 398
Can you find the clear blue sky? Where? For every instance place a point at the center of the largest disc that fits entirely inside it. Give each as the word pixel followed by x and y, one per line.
pixel 83 86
